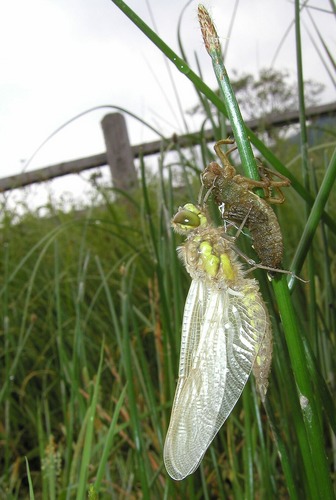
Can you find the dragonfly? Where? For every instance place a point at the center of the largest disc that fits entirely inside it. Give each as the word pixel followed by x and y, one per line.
pixel 226 334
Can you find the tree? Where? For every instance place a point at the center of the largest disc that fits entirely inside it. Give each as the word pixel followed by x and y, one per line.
pixel 271 93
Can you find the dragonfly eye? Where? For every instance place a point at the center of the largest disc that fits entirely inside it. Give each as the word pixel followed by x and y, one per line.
pixel 186 219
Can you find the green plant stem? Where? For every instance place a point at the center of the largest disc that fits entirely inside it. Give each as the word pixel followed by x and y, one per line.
pixel 302 107
pixel 126 287
pixel 305 165
pixel 212 45
pixel 109 439
pixel 318 474
pixel 285 461
pixel 249 493
pixel 235 117
pixel 30 482
pixel 89 433
pixel 314 218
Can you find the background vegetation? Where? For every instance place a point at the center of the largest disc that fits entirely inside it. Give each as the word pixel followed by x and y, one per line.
pixel 92 304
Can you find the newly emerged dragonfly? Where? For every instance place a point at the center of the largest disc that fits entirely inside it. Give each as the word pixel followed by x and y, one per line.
pixel 225 335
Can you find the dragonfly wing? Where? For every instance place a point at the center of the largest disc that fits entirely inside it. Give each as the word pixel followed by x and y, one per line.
pixel 220 340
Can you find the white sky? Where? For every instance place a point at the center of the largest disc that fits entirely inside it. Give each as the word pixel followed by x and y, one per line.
pixel 61 57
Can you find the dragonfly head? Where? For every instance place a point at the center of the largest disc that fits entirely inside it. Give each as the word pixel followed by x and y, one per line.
pixel 188 218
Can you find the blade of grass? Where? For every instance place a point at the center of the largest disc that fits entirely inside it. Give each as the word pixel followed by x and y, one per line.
pixel 286 379
pixel 109 440
pixel 41 444
pixel 264 465
pixel 83 475
pixel 324 45
pixel 233 459
pixel 318 475
pixel 324 392
pixel 217 472
pixel 313 219
pixel 126 286
pixel 287 466
pixel 212 45
pixel 249 492
pixel 305 164
pixel 6 363
pixel 31 489
pixel 25 330
pixel 78 352
pixel 159 271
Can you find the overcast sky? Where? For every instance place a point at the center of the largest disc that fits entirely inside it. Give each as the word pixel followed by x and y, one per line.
pixel 61 57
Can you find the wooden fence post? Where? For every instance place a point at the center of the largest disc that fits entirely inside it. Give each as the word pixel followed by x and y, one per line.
pixel 119 152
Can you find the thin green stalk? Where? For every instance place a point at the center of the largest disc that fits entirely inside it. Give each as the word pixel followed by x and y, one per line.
pixel 264 466
pixel 75 458
pixel 24 329
pixel 302 107
pixel 324 393
pixel 46 240
pixel 305 165
pixel 233 459
pixel 108 441
pixel 212 45
pixel 87 449
pixel 166 323
pixel 41 445
pixel 249 492
pixel 78 360
pixel 30 482
pixel 286 379
pixel 205 493
pixel 287 466
pixel 318 475
pixel 325 47
pixel 217 472
pixel 132 397
pixel 6 363
pixel 148 386
pixel 314 218
pixel 62 354
pixel 111 305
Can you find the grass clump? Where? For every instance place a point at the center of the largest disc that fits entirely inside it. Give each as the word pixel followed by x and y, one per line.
pixel 104 288
pixel 92 306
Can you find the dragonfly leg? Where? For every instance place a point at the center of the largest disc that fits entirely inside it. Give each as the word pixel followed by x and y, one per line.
pixel 229 170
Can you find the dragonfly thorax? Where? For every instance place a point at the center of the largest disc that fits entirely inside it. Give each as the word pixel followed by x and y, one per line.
pixel 208 255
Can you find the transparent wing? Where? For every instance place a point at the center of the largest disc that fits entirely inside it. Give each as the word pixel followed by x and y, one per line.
pixel 221 335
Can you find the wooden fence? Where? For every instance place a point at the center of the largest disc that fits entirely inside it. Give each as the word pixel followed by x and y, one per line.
pixel 120 154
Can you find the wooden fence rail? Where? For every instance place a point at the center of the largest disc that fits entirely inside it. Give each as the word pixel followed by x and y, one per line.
pixel 120 154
